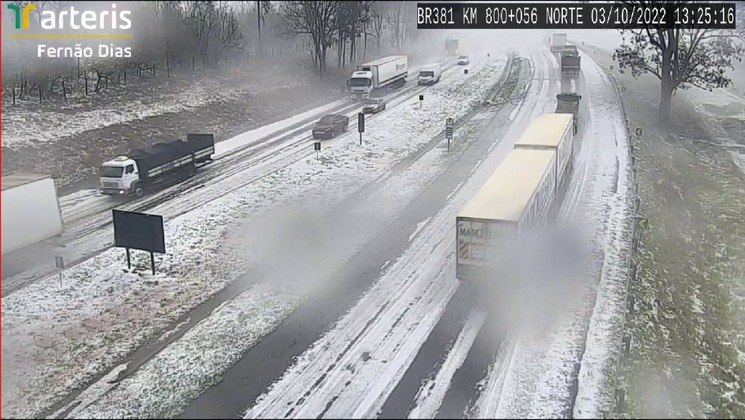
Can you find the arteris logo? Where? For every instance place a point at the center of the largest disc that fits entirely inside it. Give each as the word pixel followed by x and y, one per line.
pixel 22 14
pixel 72 18
pixel 78 21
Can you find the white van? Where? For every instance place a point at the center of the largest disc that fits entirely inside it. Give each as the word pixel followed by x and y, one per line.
pixel 429 74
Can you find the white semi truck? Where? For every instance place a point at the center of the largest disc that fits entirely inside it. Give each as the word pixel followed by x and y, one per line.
pixel 159 164
pixel 30 210
pixel 385 72
pixel 517 197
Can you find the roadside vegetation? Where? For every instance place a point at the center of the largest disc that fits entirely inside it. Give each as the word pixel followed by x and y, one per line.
pixel 687 352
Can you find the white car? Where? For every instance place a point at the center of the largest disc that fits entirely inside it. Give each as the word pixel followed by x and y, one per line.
pixel 463 60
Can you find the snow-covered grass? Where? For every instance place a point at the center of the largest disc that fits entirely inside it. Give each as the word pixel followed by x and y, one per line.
pixel 58 338
pixel 31 124
pixel 688 340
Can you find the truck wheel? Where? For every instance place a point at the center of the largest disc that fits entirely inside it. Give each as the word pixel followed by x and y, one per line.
pixel 139 192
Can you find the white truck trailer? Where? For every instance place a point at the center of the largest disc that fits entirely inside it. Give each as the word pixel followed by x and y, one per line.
pixel 386 72
pixel 517 197
pixel 557 43
pixel 553 132
pixel 30 210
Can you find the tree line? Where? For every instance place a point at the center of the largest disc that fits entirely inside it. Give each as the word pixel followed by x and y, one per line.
pixel 174 36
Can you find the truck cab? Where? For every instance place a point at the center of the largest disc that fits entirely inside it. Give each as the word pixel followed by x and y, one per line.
pixel 119 175
pixel 360 84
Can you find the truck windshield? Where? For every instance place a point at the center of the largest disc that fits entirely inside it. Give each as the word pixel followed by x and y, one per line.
pixel 359 81
pixel 112 171
pixel 426 74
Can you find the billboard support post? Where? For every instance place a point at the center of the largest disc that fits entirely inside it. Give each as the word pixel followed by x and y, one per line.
pixel 152 261
pixel 129 261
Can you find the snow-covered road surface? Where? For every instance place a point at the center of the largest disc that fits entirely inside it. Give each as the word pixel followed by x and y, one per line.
pixel 244 159
pixel 564 366
pixel 372 274
pixel 131 308
pixel 353 369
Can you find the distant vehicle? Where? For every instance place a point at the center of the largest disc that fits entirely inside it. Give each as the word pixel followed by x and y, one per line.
pixel 557 42
pixel 386 72
pixel 520 195
pixel 570 62
pixel 330 125
pixel 374 106
pixel 142 169
pixel 30 210
pixel 569 103
pixel 451 46
pixel 429 74
pixel 463 60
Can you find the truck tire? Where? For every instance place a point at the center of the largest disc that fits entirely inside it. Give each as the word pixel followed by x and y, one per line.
pixel 139 192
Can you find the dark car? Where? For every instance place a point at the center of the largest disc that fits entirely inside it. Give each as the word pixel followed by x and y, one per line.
pixel 374 106
pixel 330 125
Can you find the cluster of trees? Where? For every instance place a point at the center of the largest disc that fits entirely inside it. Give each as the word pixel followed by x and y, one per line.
pixel 347 25
pixel 170 36
pixel 682 57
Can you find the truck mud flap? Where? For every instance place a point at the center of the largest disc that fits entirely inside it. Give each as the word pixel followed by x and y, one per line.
pixel 203 164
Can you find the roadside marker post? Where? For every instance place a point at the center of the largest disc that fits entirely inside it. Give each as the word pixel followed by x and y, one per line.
pixel 317 148
pixel 421 100
pixel 361 125
pixel 59 264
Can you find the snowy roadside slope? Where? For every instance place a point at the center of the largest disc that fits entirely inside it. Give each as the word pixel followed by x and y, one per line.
pixel 537 379
pixel 25 125
pixel 66 336
pixel 602 348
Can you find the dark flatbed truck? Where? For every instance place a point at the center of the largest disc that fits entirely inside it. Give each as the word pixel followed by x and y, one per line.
pixel 161 163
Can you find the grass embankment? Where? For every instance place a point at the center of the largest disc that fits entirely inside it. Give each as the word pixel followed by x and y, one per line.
pixel 687 357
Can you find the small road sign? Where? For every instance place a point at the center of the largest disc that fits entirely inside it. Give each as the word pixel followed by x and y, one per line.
pixel 361 125
pixel 449 128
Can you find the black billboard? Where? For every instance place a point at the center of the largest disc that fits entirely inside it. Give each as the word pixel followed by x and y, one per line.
pixel 139 231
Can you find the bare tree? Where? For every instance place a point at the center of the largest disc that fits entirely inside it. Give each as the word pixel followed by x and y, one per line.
pixel 699 57
pixel 395 18
pixel 228 33
pixel 316 19
pixel 262 9
pixel 377 20
pixel 202 18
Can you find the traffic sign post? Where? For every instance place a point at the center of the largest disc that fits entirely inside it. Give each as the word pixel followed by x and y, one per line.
pixel 317 148
pixel 449 130
pixel 361 125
